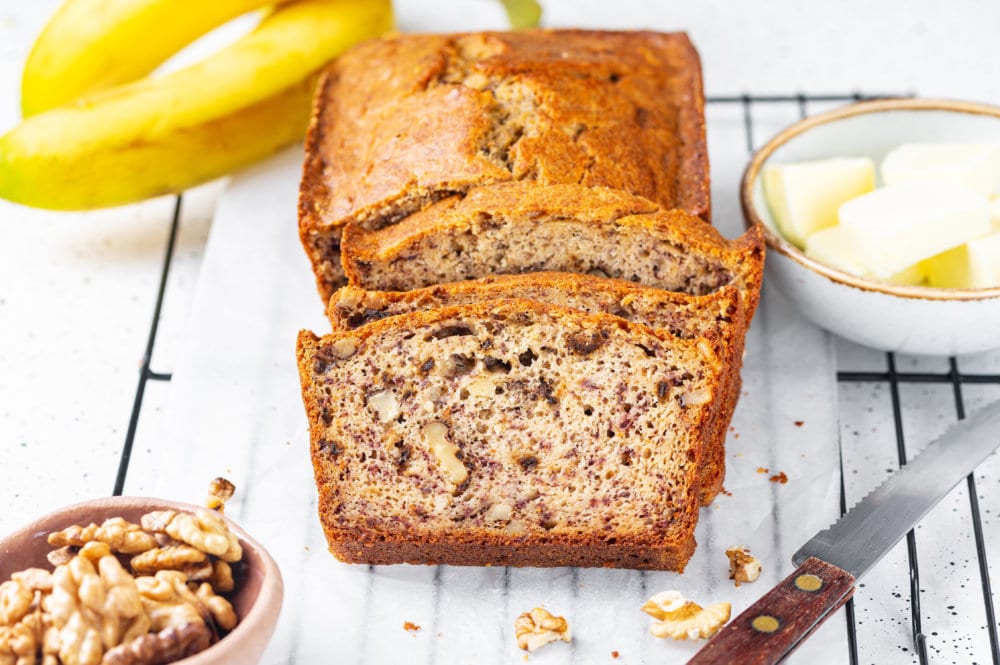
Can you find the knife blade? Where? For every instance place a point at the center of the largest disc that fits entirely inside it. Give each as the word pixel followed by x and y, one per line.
pixel 830 563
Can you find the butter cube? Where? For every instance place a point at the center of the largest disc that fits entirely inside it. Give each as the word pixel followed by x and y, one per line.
pixel 974 265
pixel 831 248
pixel 894 227
pixel 972 165
pixel 804 196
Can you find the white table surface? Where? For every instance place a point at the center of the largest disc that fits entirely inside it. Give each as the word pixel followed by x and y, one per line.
pixel 77 290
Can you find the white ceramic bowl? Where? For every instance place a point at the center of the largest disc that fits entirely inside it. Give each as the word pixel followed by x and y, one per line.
pixel 908 319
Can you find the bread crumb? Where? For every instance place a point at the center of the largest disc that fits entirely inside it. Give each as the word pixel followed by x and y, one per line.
pixel 614 654
pixel 410 626
pixel 779 477
pixel 800 423
pixel 762 469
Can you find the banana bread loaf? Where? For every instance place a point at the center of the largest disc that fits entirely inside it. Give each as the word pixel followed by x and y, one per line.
pixel 716 316
pixel 401 122
pixel 507 433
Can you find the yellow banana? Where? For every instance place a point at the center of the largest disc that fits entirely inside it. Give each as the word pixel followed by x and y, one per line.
pixel 165 134
pixel 83 174
pixel 522 13
pixel 91 45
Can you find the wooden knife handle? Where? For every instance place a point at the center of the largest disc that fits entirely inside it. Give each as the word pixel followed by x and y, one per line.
pixel 775 625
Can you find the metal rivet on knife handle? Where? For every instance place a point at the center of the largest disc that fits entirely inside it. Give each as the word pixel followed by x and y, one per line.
pixel 765 624
pixel 808 583
pixel 772 627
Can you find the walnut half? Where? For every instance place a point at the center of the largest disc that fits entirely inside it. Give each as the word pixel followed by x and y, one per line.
pixel 680 619
pixel 119 534
pixel 170 644
pixel 538 627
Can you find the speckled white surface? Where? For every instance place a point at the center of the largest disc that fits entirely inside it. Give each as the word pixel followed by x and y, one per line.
pixel 235 409
pixel 77 294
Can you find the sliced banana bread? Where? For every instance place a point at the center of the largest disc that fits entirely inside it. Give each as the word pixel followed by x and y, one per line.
pixel 523 227
pixel 716 316
pixel 401 122
pixel 508 433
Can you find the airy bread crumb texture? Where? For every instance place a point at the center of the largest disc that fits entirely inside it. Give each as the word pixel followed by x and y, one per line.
pixel 717 315
pixel 523 434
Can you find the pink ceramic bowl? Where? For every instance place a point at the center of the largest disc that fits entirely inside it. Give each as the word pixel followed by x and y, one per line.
pixel 257 599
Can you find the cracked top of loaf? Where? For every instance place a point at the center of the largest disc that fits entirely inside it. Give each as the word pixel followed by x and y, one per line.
pixel 403 121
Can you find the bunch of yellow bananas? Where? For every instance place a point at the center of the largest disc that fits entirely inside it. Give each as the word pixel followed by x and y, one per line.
pixel 98 134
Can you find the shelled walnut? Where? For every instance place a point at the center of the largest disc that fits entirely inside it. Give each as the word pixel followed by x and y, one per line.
pixel 94 605
pixel 163 647
pixel 538 627
pixel 220 490
pixel 743 566
pixel 678 618
pixel 118 534
pixel 204 529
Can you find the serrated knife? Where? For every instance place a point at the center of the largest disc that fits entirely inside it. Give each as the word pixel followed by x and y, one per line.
pixel 829 564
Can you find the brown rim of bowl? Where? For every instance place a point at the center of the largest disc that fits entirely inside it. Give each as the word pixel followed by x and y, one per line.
pixel 782 246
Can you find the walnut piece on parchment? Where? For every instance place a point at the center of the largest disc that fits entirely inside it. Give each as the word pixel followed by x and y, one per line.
pixel 678 618
pixel 538 627
pixel 743 566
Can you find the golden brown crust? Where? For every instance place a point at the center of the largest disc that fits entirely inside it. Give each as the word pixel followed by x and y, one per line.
pixel 401 122
pixel 665 545
pixel 599 554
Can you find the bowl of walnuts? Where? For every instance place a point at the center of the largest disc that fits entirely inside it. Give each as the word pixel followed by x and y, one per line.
pixel 136 581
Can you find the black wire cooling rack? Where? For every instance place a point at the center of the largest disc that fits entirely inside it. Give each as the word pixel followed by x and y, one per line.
pixel 891 377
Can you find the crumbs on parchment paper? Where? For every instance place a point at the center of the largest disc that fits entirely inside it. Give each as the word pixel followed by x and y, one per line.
pixel 779 477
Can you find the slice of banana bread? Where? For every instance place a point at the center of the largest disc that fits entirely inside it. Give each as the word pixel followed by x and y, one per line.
pixel 524 227
pixel 507 433
pixel 401 122
pixel 716 316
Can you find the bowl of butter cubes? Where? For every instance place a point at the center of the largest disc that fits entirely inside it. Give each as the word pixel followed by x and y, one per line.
pixel 883 222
